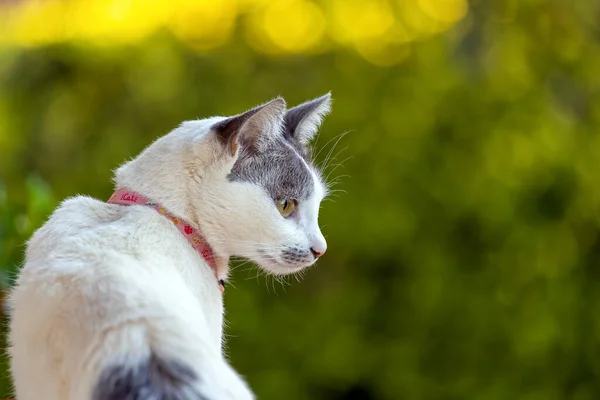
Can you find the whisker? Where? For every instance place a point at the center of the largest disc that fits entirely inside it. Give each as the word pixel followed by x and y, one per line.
pixel 336 166
pixel 230 283
pixel 330 160
pixel 329 141
pixel 273 285
pixel 331 150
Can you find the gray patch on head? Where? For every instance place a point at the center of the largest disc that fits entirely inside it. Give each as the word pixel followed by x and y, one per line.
pixel 152 379
pixel 279 170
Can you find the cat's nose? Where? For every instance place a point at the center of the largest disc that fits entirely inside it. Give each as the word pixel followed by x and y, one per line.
pixel 318 245
pixel 316 253
pixel 319 249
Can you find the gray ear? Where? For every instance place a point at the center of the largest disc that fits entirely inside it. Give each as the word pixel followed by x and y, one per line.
pixel 303 121
pixel 253 129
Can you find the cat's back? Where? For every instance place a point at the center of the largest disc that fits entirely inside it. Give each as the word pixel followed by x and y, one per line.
pixel 92 248
pixel 92 269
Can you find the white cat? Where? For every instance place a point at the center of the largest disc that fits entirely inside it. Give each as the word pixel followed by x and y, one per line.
pixel 124 301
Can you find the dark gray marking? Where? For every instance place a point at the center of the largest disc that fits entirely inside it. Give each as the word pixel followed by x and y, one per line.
pixel 279 170
pixel 295 252
pixel 279 163
pixel 151 379
pixel 295 255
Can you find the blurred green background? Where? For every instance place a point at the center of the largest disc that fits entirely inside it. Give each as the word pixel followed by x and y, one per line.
pixel 464 255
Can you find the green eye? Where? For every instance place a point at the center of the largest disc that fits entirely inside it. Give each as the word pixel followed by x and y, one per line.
pixel 286 207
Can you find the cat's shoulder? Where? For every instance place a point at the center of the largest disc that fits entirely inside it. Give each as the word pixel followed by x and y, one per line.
pixel 79 202
pixel 82 209
pixel 76 215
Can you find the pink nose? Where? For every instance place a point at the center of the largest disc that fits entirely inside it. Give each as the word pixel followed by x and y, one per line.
pixel 317 253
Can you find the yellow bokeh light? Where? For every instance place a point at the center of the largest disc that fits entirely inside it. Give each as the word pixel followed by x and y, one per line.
pixel 358 20
pixel 204 23
pixel 418 24
pixel 373 28
pixel 119 21
pixel 37 22
pixel 294 25
pixel 444 10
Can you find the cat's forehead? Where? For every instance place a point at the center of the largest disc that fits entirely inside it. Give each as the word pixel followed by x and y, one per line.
pixel 283 171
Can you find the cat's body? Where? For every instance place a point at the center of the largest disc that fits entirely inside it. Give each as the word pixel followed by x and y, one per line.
pixel 114 303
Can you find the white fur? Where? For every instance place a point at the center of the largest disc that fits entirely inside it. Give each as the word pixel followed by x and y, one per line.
pixel 105 282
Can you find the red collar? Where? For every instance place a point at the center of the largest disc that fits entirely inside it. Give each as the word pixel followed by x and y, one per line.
pixel 128 197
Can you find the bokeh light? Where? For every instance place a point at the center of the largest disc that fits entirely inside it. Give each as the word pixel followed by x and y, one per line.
pixel 287 26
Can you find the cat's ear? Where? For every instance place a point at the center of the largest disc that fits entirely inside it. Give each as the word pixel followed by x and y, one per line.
pixel 303 121
pixel 253 129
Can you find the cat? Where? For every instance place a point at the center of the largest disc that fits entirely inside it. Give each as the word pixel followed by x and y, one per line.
pixel 123 299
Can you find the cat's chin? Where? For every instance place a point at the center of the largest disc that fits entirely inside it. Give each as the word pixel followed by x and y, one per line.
pixel 281 264
pixel 280 268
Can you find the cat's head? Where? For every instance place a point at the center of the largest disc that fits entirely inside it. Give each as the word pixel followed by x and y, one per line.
pixel 246 181
pixel 259 196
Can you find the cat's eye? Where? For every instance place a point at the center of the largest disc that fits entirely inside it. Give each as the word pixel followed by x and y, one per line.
pixel 286 207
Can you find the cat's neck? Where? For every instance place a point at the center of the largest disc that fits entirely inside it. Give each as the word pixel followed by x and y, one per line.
pixel 173 196
pixel 173 172
pixel 128 197
pixel 163 182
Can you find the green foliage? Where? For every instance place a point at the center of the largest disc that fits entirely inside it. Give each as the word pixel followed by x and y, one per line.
pixel 464 254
